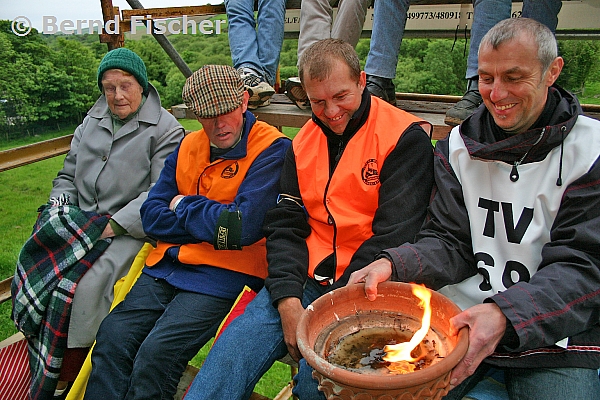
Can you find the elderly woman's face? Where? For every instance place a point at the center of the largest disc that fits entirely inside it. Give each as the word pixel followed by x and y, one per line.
pixel 122 91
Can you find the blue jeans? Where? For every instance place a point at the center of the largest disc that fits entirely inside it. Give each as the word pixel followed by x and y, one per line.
pixel 389 20
pixel 245 350
pixel 145 343
pixel 487 13
pixel 305 386
pixel 536 384
pixel 256 43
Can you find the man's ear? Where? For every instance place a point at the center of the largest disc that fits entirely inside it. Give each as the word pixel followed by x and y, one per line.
pixel 245 101
pixel 362 79
pixel 554 71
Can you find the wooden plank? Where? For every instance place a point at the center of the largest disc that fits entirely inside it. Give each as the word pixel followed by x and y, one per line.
pixel 285 393
pixel 5 289
pixel 172 12
pixel 282 112
pixel 12 339
pixel 24 155
pixel 186 379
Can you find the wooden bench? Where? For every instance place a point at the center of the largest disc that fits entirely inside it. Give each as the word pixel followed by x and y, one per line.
pixel 432 108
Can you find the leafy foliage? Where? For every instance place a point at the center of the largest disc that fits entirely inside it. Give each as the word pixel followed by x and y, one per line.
pixel 581 62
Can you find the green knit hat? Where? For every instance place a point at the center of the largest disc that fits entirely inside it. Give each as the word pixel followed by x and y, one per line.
pixel 125 60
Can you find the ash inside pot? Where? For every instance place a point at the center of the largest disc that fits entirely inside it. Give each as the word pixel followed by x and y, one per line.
pixel 362 349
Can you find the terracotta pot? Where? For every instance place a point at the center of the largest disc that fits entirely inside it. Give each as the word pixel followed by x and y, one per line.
pixel 324 315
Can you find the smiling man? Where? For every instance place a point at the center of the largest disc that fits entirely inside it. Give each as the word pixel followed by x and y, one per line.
pixel 514 232
pixel 357 179
pixel 206 212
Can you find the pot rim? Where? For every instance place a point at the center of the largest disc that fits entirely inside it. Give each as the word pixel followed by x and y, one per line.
pixel 356 379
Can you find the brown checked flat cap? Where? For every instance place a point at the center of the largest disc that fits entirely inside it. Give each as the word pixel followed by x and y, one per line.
pixel 213 90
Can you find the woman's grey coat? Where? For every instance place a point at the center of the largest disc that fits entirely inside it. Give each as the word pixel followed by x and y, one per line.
pixel 111 173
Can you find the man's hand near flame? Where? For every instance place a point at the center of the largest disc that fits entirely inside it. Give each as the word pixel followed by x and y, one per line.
pixel 290 309
pixel 378 271
pixel 486 324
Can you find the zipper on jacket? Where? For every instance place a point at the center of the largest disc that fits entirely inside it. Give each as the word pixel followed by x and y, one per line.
pixel 331 221
pixel 560 163
pixel 514 172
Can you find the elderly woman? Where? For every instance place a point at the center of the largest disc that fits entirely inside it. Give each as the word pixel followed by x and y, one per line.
pixel 116 156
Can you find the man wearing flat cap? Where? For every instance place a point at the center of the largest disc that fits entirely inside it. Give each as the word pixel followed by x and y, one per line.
pixel 206 212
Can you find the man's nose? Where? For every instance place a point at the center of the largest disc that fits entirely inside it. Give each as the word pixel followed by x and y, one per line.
pixel 498 91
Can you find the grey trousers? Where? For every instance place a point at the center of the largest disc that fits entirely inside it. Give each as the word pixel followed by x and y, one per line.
pixel 317 22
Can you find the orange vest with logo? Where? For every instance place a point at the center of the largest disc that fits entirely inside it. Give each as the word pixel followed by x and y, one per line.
pixel 218 181
pixel 341 208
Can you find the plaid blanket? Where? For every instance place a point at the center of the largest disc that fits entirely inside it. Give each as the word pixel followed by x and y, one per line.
pixel 64 245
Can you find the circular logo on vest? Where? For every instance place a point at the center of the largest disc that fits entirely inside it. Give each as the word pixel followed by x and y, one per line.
pixel 230 171
pixel 370 172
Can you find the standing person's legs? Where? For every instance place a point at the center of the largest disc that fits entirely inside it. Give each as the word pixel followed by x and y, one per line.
pixel 486 14
pixel 545 12
pixel 389 21
pixel 552 383
pixel 316 17
pixel 349 21
pixel 271 21
pixel 243 41
pixel 315 25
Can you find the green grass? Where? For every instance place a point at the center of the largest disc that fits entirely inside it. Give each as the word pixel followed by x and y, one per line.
pixel 5 145
pixel 25 188
pixel 591 94
pixel 193 125
pixel 22 191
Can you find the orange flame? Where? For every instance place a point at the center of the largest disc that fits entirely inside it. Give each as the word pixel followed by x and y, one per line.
pixel 400 353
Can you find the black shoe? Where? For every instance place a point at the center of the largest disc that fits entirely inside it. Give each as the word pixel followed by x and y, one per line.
pixel 382 87
pixel 295 92
pixel 466 106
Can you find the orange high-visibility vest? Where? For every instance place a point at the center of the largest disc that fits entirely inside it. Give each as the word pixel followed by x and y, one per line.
pixel 219 181
pixel 341 207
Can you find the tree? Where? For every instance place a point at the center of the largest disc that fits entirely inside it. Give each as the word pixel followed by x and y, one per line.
pixel 581 60
pixel 80 64
pixel 157 61
pixel 430 66
pixel 44 82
